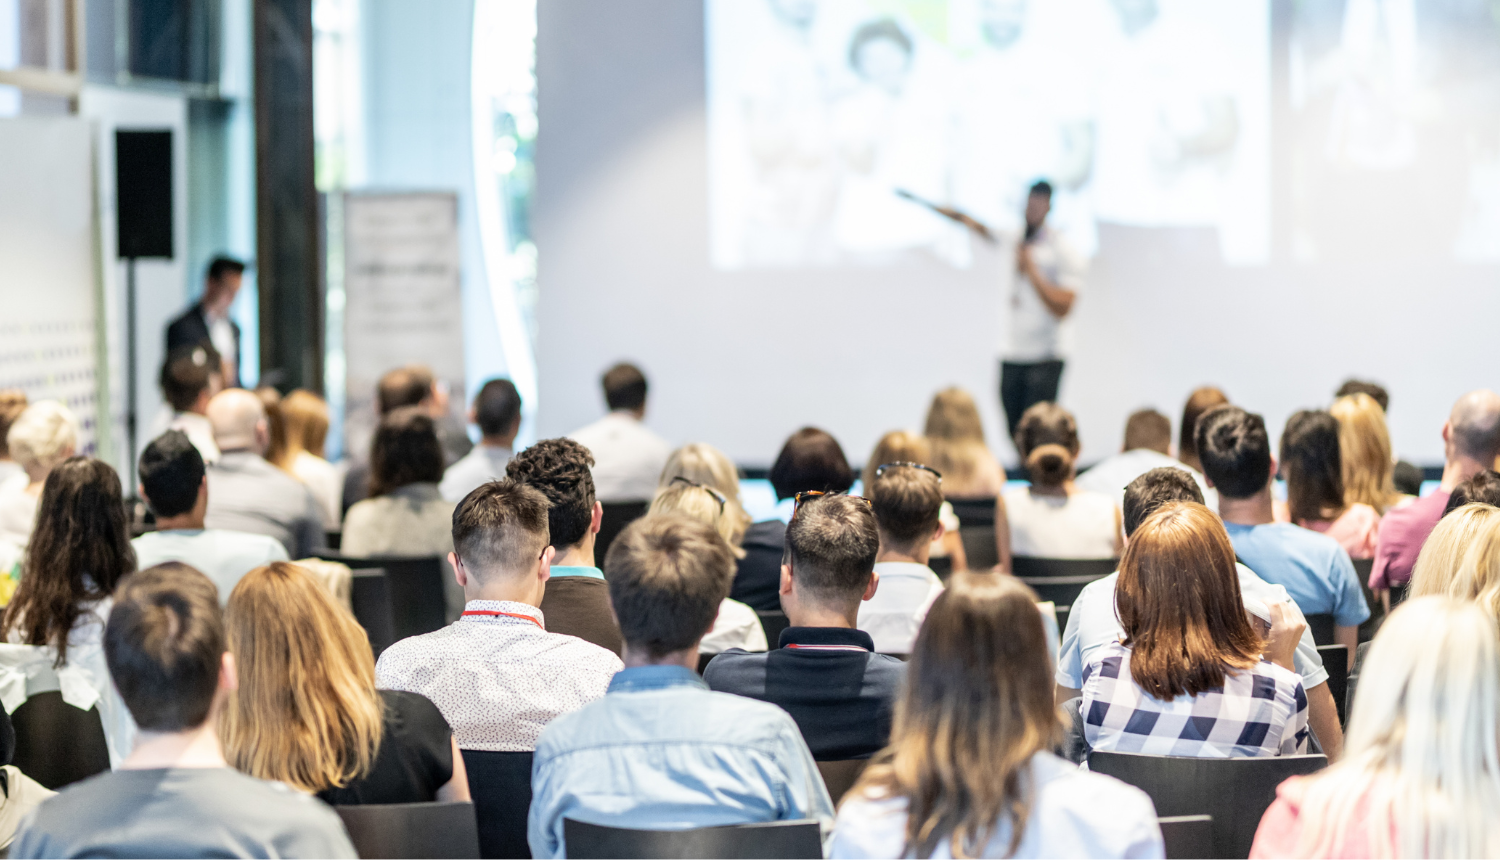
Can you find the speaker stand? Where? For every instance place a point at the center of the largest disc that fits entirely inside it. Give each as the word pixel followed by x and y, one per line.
pixel 130 402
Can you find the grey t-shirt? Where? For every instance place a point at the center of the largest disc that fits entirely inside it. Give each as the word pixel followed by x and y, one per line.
pixel 181 812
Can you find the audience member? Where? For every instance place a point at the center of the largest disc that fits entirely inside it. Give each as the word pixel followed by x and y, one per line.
pixel 704 464
pixel 45 434
pixel 811 460
pixel 736 625
pixel 496 674
pixel 19 793
pixel 79 553
pixel 1461 558
pixel 906 499
pixel 413 385
pixel 176 796
pixel 1054 517
pixel 576 601
pixel 660 750
pixel 1471 441
pixel 12 404
pixel 1365 452
pixel 825 672
pixel 307 713
pixel 628 457
pixel 1313 568
pixel 1406 479
pixel 275 453
pixel 1200 401
pixel 1093 621
pixel 1312 466
pixel 305 417
pixel 900 446
pixel 958 447
pixel 191 376
pixel 1483 488
pixel 248 494
pixel 970 770
pixel 1186 678
pixel 174 484
pixel 497 411
pixel 1148 443
pixel 1420 777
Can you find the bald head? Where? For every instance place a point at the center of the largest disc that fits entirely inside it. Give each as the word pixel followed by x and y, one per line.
pixel 239 421
pixel 1475 426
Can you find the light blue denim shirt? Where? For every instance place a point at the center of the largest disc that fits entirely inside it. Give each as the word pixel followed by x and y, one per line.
pixel 661 751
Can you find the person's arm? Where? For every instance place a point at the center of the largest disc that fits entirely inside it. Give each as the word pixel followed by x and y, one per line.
pixel 1065 693
pixel 457 786
pixel 1119 533
pixel 1058 299
pixel 1323 719
pixel 1002 535
pixel 954 544
pixel 1349 638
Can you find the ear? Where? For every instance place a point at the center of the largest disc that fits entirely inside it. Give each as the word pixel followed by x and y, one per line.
pixel 229 677
pixel 941 530
pixel 596 519
pixel 473 416
pixel 544 564
pixel 141 489
pixel 1274 467
pixel 872 587
pixel 460 575
pixel 202 487
pixel 1447 431
pixel 786 579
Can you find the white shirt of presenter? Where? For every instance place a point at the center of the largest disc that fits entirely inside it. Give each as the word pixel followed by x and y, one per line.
pixel 1034 332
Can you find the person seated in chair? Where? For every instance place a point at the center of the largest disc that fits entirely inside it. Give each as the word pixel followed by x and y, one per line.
pixel 248 494
pixel 661 750
pixel 907 500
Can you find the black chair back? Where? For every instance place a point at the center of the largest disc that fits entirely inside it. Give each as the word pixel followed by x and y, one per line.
pixel 56 743
pixel 942 566
pixel 1362 568
pixel 370 598
pixel 1321 627
pixel 974 512
pixel 1186 836
pixel 422 830
pixel 1061 590
pixel 500 783
pixel 840 776
pixel 1336 661
pixel 415 586
pixel 790 839
pixel 333 539
pixel 1235 791
pixel 1027 566
pixel 773 622
pixel 979 546
pixel 617 515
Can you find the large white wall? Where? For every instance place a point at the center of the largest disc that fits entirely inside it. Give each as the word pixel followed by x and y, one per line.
pixel 742 359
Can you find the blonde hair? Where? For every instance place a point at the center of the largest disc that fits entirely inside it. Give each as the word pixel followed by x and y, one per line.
pixel 704 464
pixel 958 449
pixel 697 503
pixel 1444 553
pixel 1365 448
pixel 897 446
pixel 1420 765
pixel 306 417
pixel 306 712
pixel 43 435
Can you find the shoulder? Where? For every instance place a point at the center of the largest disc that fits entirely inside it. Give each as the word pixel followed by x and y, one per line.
pixel 736 670
pixel 586 653
pixel 869 826
pixel 414 650
pixel 770 532
pixel 246 542
pixel 1062 783
pixel 412 706
pixel 1100 589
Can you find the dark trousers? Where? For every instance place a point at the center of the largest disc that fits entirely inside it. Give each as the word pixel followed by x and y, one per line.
pixel 1025 385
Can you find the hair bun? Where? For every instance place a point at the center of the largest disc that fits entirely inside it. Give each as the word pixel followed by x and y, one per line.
pixel 1049 464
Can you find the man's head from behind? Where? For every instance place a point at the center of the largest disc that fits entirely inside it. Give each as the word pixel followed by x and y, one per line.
pixel 239 421
pixel 1473 429
pixel 171 472
pixel 1484 488
pixel 1149 492
pixel 165 647
pixel 497 410
pixel 500 534
pixel 907 501
pixel 667 576
pixel 1355 386
pixel 1150 430
pixel 559 468
pixel 190 377
pixel 1235 451
pixel 831 547
pixel 624 388
pixel 404 386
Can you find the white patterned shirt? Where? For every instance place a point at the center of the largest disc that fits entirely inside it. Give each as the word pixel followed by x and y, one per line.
pixel 497 675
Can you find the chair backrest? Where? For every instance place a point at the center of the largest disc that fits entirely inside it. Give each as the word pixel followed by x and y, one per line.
pixel 370 598
pixel 1028 566
pixel 500 783
pixel 979 546
pixel 1321 627
pixel 1336 661
pixel 1186 836
pixel 790 839
pixel 1061 590
pixel 56 743
pixel 773 621
pixel 415 584
pixel 974 512
pixel 425 830
pixel 1235 791
pixel 942 566
pixel 617 515
pixel 840 776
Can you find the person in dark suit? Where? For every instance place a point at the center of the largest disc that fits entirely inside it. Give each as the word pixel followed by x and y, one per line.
pixel 207 323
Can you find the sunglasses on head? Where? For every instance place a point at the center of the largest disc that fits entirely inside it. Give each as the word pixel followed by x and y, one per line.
pixel 808 495
pixel 903 464
pixel 718 496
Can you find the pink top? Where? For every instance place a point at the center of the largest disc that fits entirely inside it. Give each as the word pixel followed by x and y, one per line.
pixel 1281 827
pixel 1402 532
pixel 1355 529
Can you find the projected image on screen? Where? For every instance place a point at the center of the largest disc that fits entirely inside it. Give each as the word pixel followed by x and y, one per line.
pixel 1146 113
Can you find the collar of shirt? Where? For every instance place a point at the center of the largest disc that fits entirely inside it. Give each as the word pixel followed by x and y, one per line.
pixel 641 678
pixel 826 639
pixel 421 491
pixel 580 570
pixel 509 610
pixel 904 569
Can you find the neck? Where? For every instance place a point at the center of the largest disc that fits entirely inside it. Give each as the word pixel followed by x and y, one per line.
pixel 507 587
pixel 637 414
pixel 813 614
pixel 1063 489
pixel 502 442
pixel 635 657
pixel 912 555
pixel 194 748
pixel 192 520
pixel 580 554
pixel 1254 511
pixel 1461 468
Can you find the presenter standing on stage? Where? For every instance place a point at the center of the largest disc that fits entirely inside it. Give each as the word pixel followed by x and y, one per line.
pixel 1048 275
pixel 207 323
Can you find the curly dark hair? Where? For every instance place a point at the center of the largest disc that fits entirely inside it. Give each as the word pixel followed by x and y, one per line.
pixel 560 469
pixel 79 552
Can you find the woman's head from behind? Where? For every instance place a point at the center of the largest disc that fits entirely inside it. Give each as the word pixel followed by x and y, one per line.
pixel 1442 565
pixel 1199 402
pixel 704 464
pixel 1179 603
pixel 977 705
pixel 43 435
pixel 1311 464
pixel 811 460
pixel 305 415
pixel 897 446
pixel 702 503
pixel 405 451
pixel 1047 440
pixel 1365 448
pixel 306 712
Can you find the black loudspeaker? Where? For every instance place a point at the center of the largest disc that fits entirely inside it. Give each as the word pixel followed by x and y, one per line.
pixel 143 193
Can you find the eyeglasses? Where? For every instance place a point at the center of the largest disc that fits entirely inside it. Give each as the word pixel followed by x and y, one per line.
pixel 718 496
pixel 881 469
pixel 808 495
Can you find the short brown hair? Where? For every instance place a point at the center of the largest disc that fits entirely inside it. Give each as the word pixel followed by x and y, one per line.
pixel 907 502
pixel 1149 429
pixel 811 459
pixel 667 576
pixel 12 404
pixel 187 372
pixel 503 525
pixel 404 386
pixel 832 544
pixel 1146 494
pixel 405 451
pixel 624 387
pixel 1200 401
pixel 164 644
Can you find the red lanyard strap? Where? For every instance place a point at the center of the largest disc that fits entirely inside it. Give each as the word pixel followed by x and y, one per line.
pixel 494 612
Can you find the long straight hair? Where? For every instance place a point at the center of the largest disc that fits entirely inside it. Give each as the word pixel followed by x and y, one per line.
pixel 1420 767
pixel 1314 470
pixel 1441 564
pixel 1180 606
pixel 306 712
pixel 1365 446
pixel 79 551
pixel 975 707
pixel 956 434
